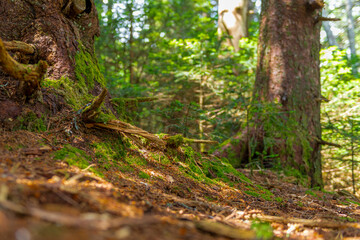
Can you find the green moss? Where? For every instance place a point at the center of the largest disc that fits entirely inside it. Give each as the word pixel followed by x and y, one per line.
pixel 109 150
pixel 135 160
pixel 31 122
pixel 126 169
pixel 310 192
pixel 259 194
pixel 75 94
pixel 348 219
pixel 73 156
pixel 175 141
pixel 354 202
pixel 144 175
pixel 87 68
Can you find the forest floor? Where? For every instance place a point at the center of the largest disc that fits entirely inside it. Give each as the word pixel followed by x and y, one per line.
pixel 44 196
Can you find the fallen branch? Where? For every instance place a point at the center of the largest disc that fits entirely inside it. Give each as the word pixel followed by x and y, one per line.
pixel 135 100
pixel 307 222
pixel 96 222
pixel 189 140
pixel 178 140
pixel 129 129
pixel 225 230
pixel 32 74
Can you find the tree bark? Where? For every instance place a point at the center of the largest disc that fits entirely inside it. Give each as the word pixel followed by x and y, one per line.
pixel 285 112
pixel 288 74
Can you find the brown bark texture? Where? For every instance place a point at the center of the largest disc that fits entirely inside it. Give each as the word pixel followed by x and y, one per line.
pixel 54 33
pixel 288 77
pixel 45 32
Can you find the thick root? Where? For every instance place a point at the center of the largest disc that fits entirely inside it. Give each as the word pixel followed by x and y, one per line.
pixel 31 74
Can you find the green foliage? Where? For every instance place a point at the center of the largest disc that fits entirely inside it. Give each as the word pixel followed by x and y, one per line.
pixel 263 230
pixel 203 88
pixel 144 175
pixel 340 116
pixel 173 62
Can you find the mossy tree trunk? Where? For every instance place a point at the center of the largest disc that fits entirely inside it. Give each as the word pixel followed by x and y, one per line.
pixel 62 33
pixel 285 113
pixel 288 73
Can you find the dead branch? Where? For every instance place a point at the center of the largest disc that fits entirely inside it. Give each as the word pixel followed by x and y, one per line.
pixel 308 222
pixel 129 129
pixel 328 19
pixel 322 99
pixel 323 19
pixel 189 140
pixel 323 142
pixel 32 74
pixel 135 100
pixel 225 230
pixel 91 111
pixel 19 46
pixel 96 222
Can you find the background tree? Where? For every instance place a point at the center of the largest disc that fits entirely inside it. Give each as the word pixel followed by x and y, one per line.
pixel 286 107
pixel 233 20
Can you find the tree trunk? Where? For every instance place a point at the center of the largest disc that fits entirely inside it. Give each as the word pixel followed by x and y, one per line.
pixel 62 34
pixel 233 20
pixel 285 113
pixel 351 35
pixel 329 34
pixel 130 7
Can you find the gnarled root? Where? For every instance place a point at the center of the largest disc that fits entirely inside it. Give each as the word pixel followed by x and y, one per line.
pixel 28 73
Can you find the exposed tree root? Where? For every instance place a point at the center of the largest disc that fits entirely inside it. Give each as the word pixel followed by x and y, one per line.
pixel 28 73
pixel 19 46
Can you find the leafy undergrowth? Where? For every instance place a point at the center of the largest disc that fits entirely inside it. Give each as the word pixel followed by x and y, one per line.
pixel 98 185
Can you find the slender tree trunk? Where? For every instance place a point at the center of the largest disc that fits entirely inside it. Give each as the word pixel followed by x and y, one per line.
pixel 131 42
pixel 329 34
pixel 351 34
pixel 233 20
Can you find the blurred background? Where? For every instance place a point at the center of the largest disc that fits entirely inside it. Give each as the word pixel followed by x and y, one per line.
pixel 171 68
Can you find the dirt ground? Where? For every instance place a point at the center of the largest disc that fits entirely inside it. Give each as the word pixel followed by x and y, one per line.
pixel 44 198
